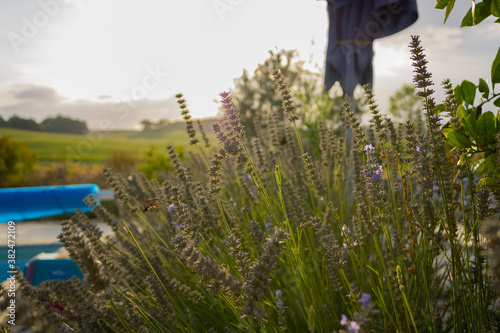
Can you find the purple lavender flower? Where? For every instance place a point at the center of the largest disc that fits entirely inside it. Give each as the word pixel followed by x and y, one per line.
pixel 353 327
pixel 171 208
pixel 375 172
pixel 418 148
pixel 378 174
pixel 346 246
pixel 369 148
pixel 344 321
pixel 278 293
pixel 365 299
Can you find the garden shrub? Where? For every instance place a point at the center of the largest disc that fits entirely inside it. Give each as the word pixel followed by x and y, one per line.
pixel 16 160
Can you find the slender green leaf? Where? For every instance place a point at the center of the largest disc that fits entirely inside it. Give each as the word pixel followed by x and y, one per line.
pixel 442 4
pixel 468 90
pixel 483 87
pixel 449 8
pixel 459 140
pixel 495 69
pixel 480 13
pixel 486 128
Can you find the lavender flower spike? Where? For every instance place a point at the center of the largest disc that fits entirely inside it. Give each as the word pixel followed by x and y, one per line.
pixel 369 148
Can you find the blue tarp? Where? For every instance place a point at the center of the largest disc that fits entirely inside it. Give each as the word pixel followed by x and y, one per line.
pixel 354 24
pixel 27 203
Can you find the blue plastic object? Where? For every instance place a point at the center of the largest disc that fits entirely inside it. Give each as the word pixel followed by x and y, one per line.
pixel 51 266
pixel 23 255
pixel 27 203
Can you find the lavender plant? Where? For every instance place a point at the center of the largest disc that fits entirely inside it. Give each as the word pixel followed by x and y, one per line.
pixel 386 236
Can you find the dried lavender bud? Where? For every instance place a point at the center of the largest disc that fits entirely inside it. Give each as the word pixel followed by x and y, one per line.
pixel 160 296
pixel 373 182
pixel 116 184
pixel 334 254
pixel 241 257
pixel 205 266
pixel 203 134
pixel 370 224
pixel 285 95
pixel 181 172
pixel 377 120
pixel 483 203
pixel 84 255
pixel 256 233
pixel 317 184
pixel 422 77
pixel 393 135
pixel 193 295
pixel 231 118
pixel 90 200
pixel 355 124
pixel 324 144
pixel 214 172
pixel 451 104
pixel 187 117
pixel 257 283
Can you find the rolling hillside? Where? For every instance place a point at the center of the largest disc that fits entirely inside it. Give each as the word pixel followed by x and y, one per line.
pixel 95 146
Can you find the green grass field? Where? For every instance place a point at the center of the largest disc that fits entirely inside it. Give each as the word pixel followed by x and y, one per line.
pixel 95 147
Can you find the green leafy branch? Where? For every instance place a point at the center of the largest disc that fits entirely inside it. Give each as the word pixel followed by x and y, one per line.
pixel 477 13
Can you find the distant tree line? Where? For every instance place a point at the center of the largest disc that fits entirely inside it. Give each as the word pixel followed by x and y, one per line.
pixel 59 124
pixel 166 125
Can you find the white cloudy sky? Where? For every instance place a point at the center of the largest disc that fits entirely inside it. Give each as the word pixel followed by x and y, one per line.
pixel 87 59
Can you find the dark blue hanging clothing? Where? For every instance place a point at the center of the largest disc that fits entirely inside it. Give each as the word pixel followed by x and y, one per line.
pixel 354 24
